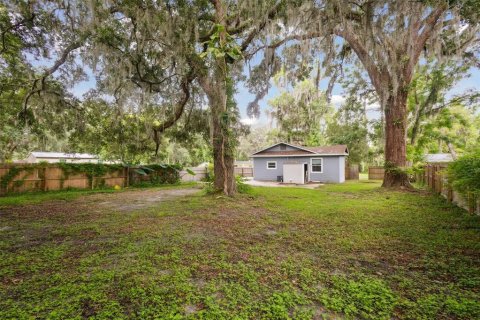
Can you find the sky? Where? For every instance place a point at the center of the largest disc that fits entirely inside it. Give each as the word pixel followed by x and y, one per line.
pixel 243 97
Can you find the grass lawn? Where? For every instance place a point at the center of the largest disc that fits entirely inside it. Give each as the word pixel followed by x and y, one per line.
pixel 341 251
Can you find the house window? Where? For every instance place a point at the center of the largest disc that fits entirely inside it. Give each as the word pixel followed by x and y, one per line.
pixel 272 165
pixel 317 165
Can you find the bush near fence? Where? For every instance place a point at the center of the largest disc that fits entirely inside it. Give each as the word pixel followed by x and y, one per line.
pixel 155 174
pixel 436 178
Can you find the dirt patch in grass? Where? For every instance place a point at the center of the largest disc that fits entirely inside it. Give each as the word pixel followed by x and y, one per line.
pixel 100 202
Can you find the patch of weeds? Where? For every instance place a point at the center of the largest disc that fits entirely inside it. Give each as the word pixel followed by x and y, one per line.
pixel 281 305
pixel 446 305
pixel 365 297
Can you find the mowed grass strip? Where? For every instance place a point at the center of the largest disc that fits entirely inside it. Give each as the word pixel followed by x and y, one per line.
pixel 340 251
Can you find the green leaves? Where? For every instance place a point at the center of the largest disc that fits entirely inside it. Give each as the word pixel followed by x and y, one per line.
pixel 464 174
pixel 140 171
pixel 368 297
pixel 218 48
pixel 158 174
pixel 301 113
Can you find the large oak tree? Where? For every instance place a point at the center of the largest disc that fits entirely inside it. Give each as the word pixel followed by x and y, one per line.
pixel 390 38
pixel 164 49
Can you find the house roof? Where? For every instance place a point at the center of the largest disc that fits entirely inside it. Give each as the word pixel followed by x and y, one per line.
pixel 438 157
pixel 335 150
pixel 62 155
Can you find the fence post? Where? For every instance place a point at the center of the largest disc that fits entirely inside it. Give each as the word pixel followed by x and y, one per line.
pixel 6 186
pixel 472 202
pixel 434 172
pixel 450 194
pixel 45 179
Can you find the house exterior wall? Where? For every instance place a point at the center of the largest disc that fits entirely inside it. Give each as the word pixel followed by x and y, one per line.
pixel 341 170
pixel 333 168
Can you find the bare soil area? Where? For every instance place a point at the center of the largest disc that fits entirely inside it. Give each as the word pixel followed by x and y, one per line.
pixel 121 201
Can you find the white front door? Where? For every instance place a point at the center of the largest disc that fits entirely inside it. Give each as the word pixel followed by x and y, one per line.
pixel 293 173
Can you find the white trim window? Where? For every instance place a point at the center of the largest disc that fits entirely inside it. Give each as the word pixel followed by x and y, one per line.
pixel 316 165
pixel 271 165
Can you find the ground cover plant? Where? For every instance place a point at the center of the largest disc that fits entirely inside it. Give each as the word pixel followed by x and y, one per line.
pixel 341 251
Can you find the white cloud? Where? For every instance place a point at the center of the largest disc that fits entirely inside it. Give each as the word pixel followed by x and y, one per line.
pixel 373 106
pixel 248 121
pixel 462 28
pixel 337 100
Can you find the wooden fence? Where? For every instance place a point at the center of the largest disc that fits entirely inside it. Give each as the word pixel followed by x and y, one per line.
pixel 352 172
pixel 52 177
pixel 376 173
pixel 434 177
pixel 244 171
pixel 34 178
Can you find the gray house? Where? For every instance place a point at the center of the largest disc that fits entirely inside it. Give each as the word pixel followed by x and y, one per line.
pixel 297 164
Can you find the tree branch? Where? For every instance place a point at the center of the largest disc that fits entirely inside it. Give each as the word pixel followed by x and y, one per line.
pixel 363 55
pixel 180 107
pixel 63 58
pixel 13 27
pixel 419 40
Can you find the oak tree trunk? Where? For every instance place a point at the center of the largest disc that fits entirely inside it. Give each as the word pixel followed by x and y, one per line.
pixel 396 141
pixel 223 155
pixel 215 87
pixel 223 160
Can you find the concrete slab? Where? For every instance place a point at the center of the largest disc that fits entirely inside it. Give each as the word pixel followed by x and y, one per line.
pixel 274 184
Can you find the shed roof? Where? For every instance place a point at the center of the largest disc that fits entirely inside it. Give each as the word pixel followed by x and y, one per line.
pixel 438 157
pixel 335 150
pixel 62 155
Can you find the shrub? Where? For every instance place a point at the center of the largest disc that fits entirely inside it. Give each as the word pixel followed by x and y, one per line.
pixel 156 174
pixel 242 187
pixel 464 175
